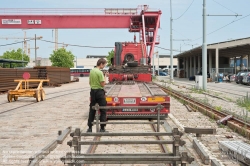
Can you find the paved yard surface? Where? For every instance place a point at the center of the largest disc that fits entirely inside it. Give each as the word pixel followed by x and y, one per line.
pixel 27 126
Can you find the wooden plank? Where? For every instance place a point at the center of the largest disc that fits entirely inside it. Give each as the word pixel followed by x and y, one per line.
pixel 200 151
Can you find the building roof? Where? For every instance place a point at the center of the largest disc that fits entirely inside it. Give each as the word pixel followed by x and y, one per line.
pixel 12 61
pixel 231 48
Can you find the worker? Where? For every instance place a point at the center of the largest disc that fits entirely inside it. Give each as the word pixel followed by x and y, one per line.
pixel 97 94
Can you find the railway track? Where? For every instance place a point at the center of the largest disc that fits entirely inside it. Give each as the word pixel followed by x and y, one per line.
pixel 127 144
pixel 235 123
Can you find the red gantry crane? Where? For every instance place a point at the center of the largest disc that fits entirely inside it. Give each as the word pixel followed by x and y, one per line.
pixel 140 19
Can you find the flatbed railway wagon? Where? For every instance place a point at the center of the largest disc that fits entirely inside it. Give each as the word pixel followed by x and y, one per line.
pixel 130 84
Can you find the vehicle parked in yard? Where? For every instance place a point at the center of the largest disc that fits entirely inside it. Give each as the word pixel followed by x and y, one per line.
pixel 239 77
pixel 232 77
pixel 246 78
pixel 161 73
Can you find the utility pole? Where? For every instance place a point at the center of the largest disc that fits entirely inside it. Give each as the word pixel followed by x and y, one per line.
pixel 171 43
pixel 204 49
pixel 22 53
pixel 76 61
pixel 35 52
pixel 30 49
pixel 25 43
pixel 56 39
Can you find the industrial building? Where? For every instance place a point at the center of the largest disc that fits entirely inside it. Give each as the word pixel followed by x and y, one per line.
pixel 228 57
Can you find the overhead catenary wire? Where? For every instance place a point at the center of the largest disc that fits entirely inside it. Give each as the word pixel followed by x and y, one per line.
pixel 74 45
pixel 15 43
pixel 166 49
pixel 184 11
pixel 225 7
pixel 221 27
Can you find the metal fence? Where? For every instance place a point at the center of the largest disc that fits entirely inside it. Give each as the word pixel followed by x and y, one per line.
pixel 225 71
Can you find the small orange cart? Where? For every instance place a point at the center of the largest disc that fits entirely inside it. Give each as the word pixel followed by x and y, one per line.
pixel 37 93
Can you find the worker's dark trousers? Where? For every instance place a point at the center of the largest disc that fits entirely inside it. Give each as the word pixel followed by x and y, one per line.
pixel 97 96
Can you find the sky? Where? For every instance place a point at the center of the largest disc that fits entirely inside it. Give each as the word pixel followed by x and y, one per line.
pixel 187 25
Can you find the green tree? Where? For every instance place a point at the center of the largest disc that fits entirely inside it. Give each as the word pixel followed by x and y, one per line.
pixel 62 58
pixel 16 55
pixel 111 55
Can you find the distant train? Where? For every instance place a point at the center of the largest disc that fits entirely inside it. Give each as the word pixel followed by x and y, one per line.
pixel 79 72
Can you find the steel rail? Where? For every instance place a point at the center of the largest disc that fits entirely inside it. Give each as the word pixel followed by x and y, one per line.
pixel 235 123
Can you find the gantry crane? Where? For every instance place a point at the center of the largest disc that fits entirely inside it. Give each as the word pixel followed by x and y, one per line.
pixel 141 19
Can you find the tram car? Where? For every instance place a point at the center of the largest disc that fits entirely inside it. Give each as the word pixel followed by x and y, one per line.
pixel 130 84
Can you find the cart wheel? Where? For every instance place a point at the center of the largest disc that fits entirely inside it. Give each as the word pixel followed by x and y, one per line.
pixel 9 97
pixel 15 98
pixel 42 94
pixel 38 96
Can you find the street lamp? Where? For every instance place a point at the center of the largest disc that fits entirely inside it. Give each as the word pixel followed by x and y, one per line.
pixel 75 61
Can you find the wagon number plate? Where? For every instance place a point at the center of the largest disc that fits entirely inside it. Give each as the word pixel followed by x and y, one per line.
pixel 129 101
pixel 129 110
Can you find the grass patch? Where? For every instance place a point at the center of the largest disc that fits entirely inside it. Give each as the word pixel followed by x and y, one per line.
pixel 216 94
pixel 218 108
pixel 221 126
pixel 244 102
pixel 199 91
pixel 228 99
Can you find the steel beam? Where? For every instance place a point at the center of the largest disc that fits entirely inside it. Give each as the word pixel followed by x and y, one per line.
pixel 200 130
pixel 127 158
pixel 97 107
pixel 128 134
pixel 127 123
pixel 123 142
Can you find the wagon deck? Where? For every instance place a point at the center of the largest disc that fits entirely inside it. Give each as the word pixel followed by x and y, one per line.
pixel 133 89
